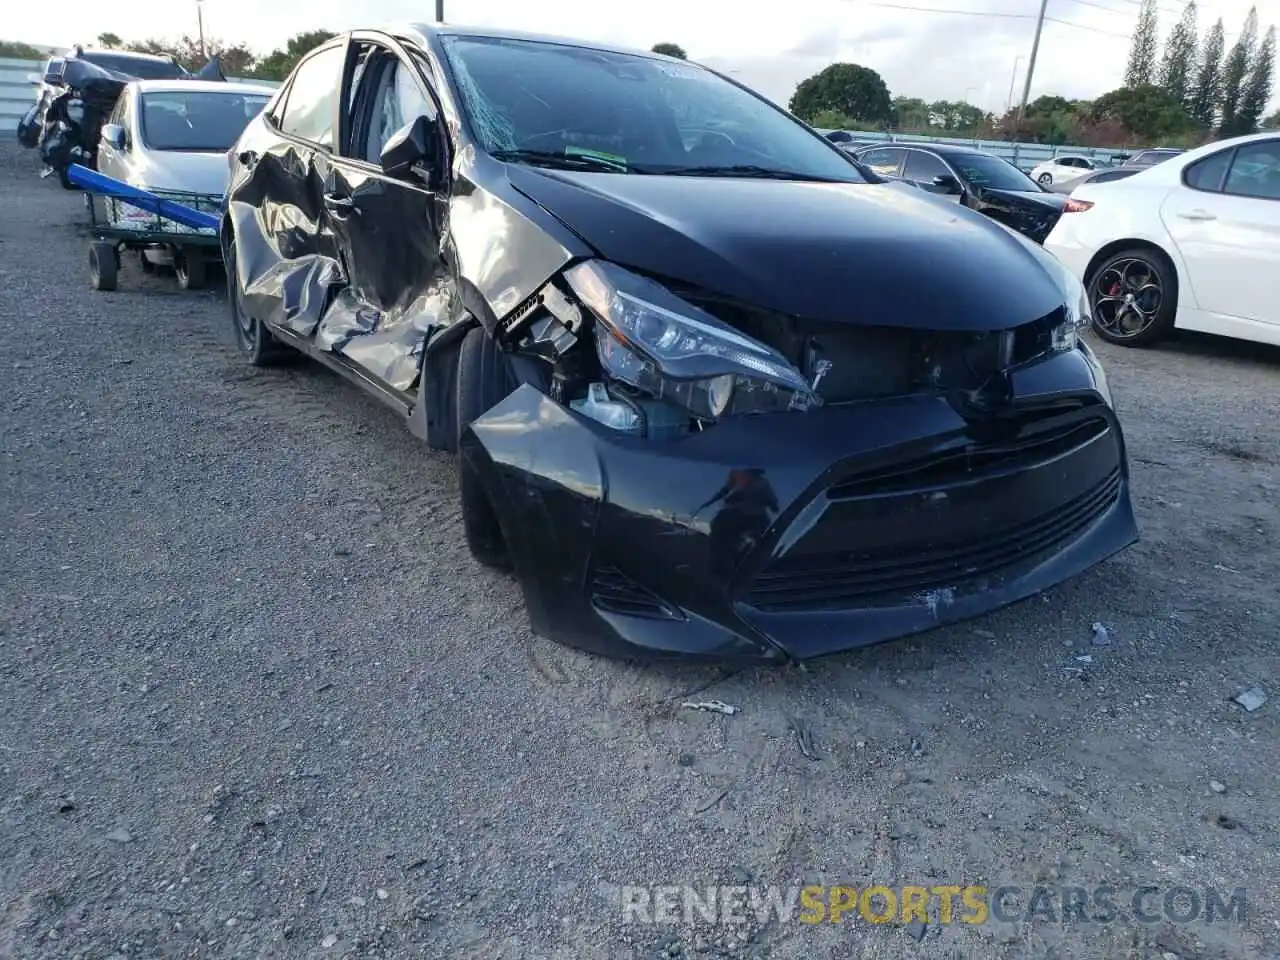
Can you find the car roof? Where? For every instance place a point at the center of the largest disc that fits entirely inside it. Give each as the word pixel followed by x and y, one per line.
pixel 420 32
pixel 201 86
pixel 947 150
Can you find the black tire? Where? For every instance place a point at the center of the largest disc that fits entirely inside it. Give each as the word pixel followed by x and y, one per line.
pixel 256 343
pixel 1133 297
pixel 1045 179
pixel 104 265
pixel 65 180
pixel 484 381
pixel 147 265
pixel 191 270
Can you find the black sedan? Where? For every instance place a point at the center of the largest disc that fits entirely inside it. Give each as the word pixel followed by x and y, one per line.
pixel 713 393
pixel 977 180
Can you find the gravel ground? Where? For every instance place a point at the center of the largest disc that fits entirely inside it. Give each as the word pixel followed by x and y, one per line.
pixel 259 702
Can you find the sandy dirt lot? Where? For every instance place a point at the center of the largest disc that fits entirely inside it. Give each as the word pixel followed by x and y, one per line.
pixel 259 702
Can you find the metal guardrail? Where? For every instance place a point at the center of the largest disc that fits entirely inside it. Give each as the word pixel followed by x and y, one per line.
pixel 17 90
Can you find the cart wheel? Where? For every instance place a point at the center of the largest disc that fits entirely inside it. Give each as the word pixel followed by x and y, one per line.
pixel 147 265
pixel 64 178
pixel 104 265
pixel 191 270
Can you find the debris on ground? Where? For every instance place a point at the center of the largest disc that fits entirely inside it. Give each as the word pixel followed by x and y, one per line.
pixel 1101 636
pixel 1217 786
pixel 804 739
pixel 120 835
pixel 711 706
pixel 1251 699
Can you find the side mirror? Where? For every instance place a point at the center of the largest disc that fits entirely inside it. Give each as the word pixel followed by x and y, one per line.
pixel 946 183
pixel 113 135
pixel 410 146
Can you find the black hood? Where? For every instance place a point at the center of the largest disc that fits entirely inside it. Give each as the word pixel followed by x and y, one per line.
pixel 878 254
pixel 1035 199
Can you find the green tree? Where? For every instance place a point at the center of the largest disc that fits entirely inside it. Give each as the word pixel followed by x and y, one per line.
pixel 1141 69
pixel 1257 88
pixel 1272 122
pixel 278 64
pixel 1177 70
pixel 909 113
pixel 856 91
pixel 1235 73
pixel 1207 91
pixel 110 41
pixel 670 50
pixel 1150 112
pixel 21 51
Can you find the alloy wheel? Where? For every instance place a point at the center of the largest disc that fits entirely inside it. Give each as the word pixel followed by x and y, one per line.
pixel 1126 297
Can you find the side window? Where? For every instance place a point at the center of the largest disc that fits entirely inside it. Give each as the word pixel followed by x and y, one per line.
pixel 120 114
pixel 1207 174
pixel 1255 172
pixel 883 161
pixel 923 167
pixel 308 112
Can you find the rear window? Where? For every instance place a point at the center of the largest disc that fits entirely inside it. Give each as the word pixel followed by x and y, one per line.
pixel 196 121
pixel 141 67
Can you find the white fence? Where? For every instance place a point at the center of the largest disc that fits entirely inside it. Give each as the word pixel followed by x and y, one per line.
pixel 18 79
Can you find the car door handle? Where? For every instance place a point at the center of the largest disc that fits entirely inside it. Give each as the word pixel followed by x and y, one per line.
pixel 340 205
pixel 1197 215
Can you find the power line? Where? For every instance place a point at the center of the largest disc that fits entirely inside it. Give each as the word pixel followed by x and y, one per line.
pixel 989 13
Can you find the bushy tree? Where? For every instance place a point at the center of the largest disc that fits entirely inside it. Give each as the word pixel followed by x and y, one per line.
pixel 1235 73
pixel 1272 122
pixel 110 41
pixel 1207 90
pixel 1141 69
pixel 1177 70
pixel 1148 111
pixel 279 63
pixel 1257 88
pixel 856 91
pixel 21 51
pixel 670 50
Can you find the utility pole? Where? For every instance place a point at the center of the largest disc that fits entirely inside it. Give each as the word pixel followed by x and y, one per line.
pixel 1008 103
pixel 1031 68
pixel 439 11
pixel 200 22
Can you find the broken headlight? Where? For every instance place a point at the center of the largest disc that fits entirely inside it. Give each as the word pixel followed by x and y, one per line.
pixel 649 338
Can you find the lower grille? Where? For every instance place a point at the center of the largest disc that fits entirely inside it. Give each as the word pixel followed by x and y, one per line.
pixel 847 578
pixel 614 592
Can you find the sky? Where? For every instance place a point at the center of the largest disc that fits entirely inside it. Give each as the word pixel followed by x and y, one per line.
pixel 922 48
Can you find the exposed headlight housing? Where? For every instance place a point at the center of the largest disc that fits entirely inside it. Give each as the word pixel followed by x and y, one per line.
pixel 1066 335
pixel 649 338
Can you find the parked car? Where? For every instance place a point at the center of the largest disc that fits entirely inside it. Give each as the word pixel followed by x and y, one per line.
pixel 1104 175
pixel 728 399
pixel 1149 158
pixel 1063 168
pixel 846 141
pixel 1189 244
pixel 171 137
pixel 980 181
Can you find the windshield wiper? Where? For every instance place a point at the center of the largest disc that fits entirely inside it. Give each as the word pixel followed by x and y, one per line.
pixel 743 170
pixel 573 161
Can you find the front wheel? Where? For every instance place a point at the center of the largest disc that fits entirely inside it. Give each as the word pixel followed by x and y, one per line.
pixel 191 270
pixel 257 344
pixel 484 381
pixel 1134 298
pixel 1045 179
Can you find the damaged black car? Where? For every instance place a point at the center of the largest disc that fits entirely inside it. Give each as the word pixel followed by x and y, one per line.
pixel 712 392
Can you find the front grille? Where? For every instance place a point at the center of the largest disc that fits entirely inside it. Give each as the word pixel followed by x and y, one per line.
pixel 614 592
pixel 971 462
pixel 845 579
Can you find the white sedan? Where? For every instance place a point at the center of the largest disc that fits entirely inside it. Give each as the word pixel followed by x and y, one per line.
pixel 1191 243
pixel 1062 169
pixel 171 137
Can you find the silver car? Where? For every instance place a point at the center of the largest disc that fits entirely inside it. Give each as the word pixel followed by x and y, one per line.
pixel 170 138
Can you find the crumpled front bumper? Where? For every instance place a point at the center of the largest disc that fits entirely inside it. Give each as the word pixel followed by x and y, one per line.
pixel 797 535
